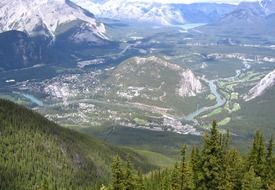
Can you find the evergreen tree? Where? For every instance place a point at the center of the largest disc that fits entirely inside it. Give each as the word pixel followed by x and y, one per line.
pixel 175 178
pixel 257 156
pixel 183 168
pixel 128 176
pixel 165 180
pixel 271 186
pixel 140 183
pixel 211 161
pixel 117 174
pixel 195 166
pixel 251 181
pixel 189 176
pixel 233 170
pixel 186 174
pixel 270 168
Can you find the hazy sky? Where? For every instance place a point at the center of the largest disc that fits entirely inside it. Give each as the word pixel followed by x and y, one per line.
pixel 195 1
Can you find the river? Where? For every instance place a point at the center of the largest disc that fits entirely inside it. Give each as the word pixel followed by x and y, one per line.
pixel 33 99
pixel 219 101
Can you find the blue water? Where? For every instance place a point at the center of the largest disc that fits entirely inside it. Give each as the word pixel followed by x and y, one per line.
pixel 190 26
pixel 219 102
pixel 33 99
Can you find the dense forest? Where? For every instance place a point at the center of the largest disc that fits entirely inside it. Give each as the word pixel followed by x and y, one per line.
pixel 35 153
pixel 38 154
pixel 213 166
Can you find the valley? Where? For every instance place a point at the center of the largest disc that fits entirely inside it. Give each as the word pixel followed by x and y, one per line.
pixel 137 94
pixel 162 80
pixel 148 77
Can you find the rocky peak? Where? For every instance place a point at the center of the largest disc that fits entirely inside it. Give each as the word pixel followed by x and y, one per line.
pixel 45 17
pixel 261 87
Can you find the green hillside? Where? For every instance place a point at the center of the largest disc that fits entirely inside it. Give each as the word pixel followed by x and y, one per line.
pixel 37 153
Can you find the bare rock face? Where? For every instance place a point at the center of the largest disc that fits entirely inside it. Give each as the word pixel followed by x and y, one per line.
pixel 266 83
pixel 190 85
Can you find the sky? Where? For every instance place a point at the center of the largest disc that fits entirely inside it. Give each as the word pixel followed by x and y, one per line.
pixel 195 1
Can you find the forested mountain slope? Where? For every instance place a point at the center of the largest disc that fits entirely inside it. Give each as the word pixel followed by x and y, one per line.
pixel 38 154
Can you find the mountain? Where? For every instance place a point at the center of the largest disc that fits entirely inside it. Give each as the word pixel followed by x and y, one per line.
pixel 153 73
pixel 38 154
pixel 51 18
pixel 154 86
pixel 261 87
pixel 134 11
pixel 156 13
pixel 46 32
pixel 18 50
pixel 204 12
pixel 247 19
pixel 268 6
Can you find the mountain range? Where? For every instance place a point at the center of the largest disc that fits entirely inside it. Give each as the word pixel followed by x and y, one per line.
pixel 248 19
pixel 51 31
pixel 156 13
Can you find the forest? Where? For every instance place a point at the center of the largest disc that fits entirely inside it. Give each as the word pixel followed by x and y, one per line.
pixel 213 166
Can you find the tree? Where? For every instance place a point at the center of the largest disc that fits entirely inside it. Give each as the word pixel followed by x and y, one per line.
pixel 271 186
pixel 270 168
pixel 211 161
pixel 251 181
pixel 129 180
pixel 232 170
pixel 140 183
pixel 186 175
pixel 117 174
pixel 195 166
pixel 257 156
pixel 165 180
pixel 175 178
pixel 215 166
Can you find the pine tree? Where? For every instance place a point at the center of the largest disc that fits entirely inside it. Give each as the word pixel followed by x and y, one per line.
pixel 257 156
pixel 270 168
pixel 211 161
pixel 186 175
pixel 175 178
pixel 165 180
pixel 140 183
pixel 128 176
pixel 195 166
pixel 183 168
pixel 117 174
pixel 233 170
pixel 251 181
pixel 271 186
pixel 189 183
